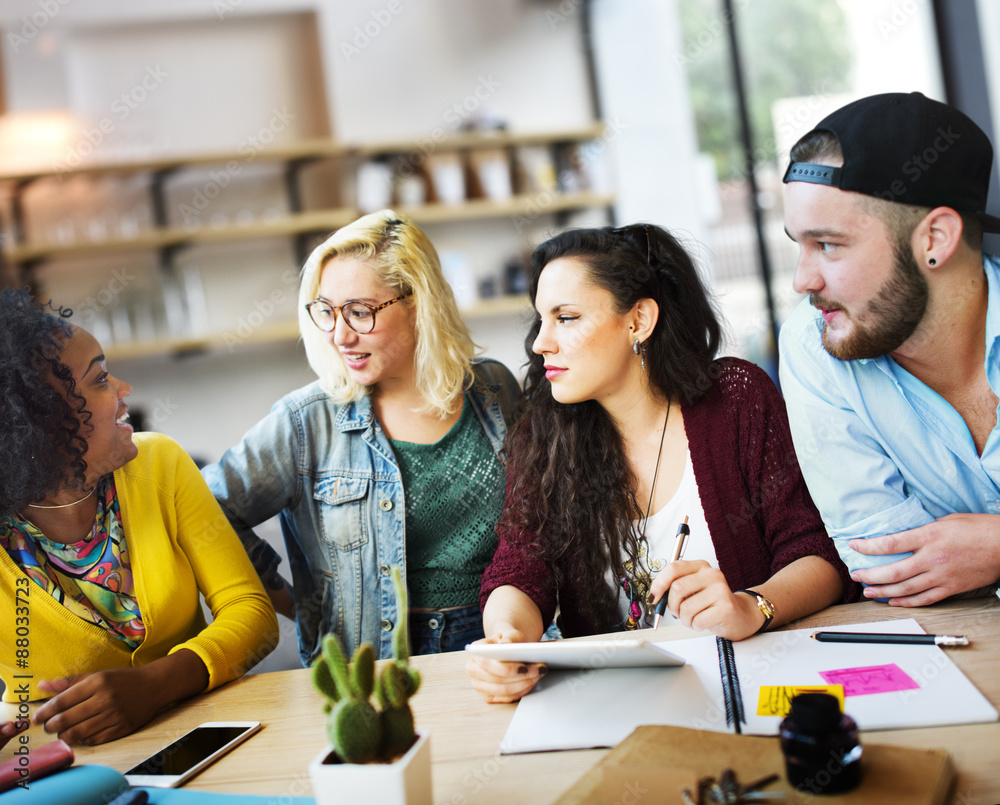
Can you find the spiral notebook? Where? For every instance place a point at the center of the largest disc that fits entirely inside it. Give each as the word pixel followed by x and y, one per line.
pixel 739 687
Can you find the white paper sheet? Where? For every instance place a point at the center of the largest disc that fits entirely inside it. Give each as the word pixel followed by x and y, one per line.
pixel 587 709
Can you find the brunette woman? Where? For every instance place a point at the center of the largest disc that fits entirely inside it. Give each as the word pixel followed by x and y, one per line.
pixel 631 426
pixel 108 541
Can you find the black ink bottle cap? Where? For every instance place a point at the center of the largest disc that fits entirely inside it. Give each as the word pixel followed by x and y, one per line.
pixel 816 713
pixel 821 745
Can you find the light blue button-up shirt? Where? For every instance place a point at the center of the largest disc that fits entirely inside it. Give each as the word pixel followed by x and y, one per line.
pixel 882 452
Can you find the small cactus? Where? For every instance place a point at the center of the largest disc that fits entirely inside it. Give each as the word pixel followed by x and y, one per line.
pixel 358 732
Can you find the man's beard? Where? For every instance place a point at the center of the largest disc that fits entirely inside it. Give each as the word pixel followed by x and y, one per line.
pixel 893 314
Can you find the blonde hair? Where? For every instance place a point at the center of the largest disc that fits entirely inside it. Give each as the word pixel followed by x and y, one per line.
pixel 403 258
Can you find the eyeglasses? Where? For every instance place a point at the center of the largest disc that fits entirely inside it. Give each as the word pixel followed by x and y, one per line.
pixel 625 230
pixel 359 316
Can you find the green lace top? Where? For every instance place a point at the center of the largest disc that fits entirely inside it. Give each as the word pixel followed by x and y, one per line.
pixel 454 494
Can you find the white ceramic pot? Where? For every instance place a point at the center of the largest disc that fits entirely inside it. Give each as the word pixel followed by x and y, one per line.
pixel 405 782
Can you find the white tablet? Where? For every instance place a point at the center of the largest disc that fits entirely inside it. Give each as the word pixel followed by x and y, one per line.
pixel 593 654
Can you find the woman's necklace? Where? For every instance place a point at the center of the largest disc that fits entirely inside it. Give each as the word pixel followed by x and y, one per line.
pixel 656 472
pixel 636 588
pixel 63 505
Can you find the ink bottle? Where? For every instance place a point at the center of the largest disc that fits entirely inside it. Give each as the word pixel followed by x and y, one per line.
pixel 821 745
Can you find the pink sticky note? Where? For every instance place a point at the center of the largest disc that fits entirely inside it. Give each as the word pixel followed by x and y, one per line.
pixel 870 679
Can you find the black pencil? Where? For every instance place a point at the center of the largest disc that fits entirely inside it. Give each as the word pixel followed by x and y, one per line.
pixel 900 639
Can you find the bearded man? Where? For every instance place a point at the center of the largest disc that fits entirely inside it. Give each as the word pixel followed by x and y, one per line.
pixel 891 367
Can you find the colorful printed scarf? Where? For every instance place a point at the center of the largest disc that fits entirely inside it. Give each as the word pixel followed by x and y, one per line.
pixel 91 578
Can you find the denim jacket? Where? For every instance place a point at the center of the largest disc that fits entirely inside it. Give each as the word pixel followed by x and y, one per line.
pixel 329 473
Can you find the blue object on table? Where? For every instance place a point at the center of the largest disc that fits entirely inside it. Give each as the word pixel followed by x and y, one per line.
pixel 97 785
pixel 134 796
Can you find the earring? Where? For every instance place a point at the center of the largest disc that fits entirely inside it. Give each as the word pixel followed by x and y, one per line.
pixel 932 262
pixel 635 346
pixel 642 357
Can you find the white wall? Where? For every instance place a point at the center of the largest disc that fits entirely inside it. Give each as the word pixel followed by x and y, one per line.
pixel 989 29
pixel 386 70
pixel 644 90
pixel 380 69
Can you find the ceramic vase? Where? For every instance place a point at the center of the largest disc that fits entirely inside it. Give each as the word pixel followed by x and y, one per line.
pixel 407 781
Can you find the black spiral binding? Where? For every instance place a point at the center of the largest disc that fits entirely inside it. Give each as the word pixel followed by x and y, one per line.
pixel 732 696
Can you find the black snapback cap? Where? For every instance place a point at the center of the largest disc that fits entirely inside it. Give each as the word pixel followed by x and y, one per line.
pixel 909 149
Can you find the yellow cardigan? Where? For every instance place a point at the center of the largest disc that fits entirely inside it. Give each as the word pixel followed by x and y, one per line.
pixel 180 544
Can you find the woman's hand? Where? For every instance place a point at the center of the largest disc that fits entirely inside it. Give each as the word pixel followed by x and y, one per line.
pixel 99 707
pixel 498 681
pixel 8 729
pixel 701 599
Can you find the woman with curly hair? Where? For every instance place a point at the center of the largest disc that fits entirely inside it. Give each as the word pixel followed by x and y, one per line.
pixel 630 427
pixel 108 539
pixel 390 459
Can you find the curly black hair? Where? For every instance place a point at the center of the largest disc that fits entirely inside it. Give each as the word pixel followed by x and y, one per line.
pixel 40 439
pixel 571 485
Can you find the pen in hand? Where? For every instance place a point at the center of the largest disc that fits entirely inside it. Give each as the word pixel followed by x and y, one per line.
pixel 679 542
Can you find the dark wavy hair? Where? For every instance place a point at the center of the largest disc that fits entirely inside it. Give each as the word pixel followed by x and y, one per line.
pixel 571 486
pixel 40 439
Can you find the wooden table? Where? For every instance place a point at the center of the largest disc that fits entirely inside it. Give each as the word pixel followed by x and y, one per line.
pixel 466 733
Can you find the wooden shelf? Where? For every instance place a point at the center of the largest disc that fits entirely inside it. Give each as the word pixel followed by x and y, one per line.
pixel 541 203
pixel 497 307
pixel 475 140
pixel 314 221
pixel 306 149
pixel 283 331
pixel 305 222
pixel 287 330
pixel 316 149
pixel 165 240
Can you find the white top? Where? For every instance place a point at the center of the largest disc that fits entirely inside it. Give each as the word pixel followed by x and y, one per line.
pixel 661 530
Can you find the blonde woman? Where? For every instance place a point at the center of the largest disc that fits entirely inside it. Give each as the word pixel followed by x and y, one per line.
pixel 391 458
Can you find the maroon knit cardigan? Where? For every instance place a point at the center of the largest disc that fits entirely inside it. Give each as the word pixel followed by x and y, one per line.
pixel 759 513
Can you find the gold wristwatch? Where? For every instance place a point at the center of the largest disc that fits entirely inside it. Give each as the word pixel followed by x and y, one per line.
pixel 764 605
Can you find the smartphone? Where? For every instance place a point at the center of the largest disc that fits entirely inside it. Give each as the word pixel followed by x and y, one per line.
pixel 174 765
